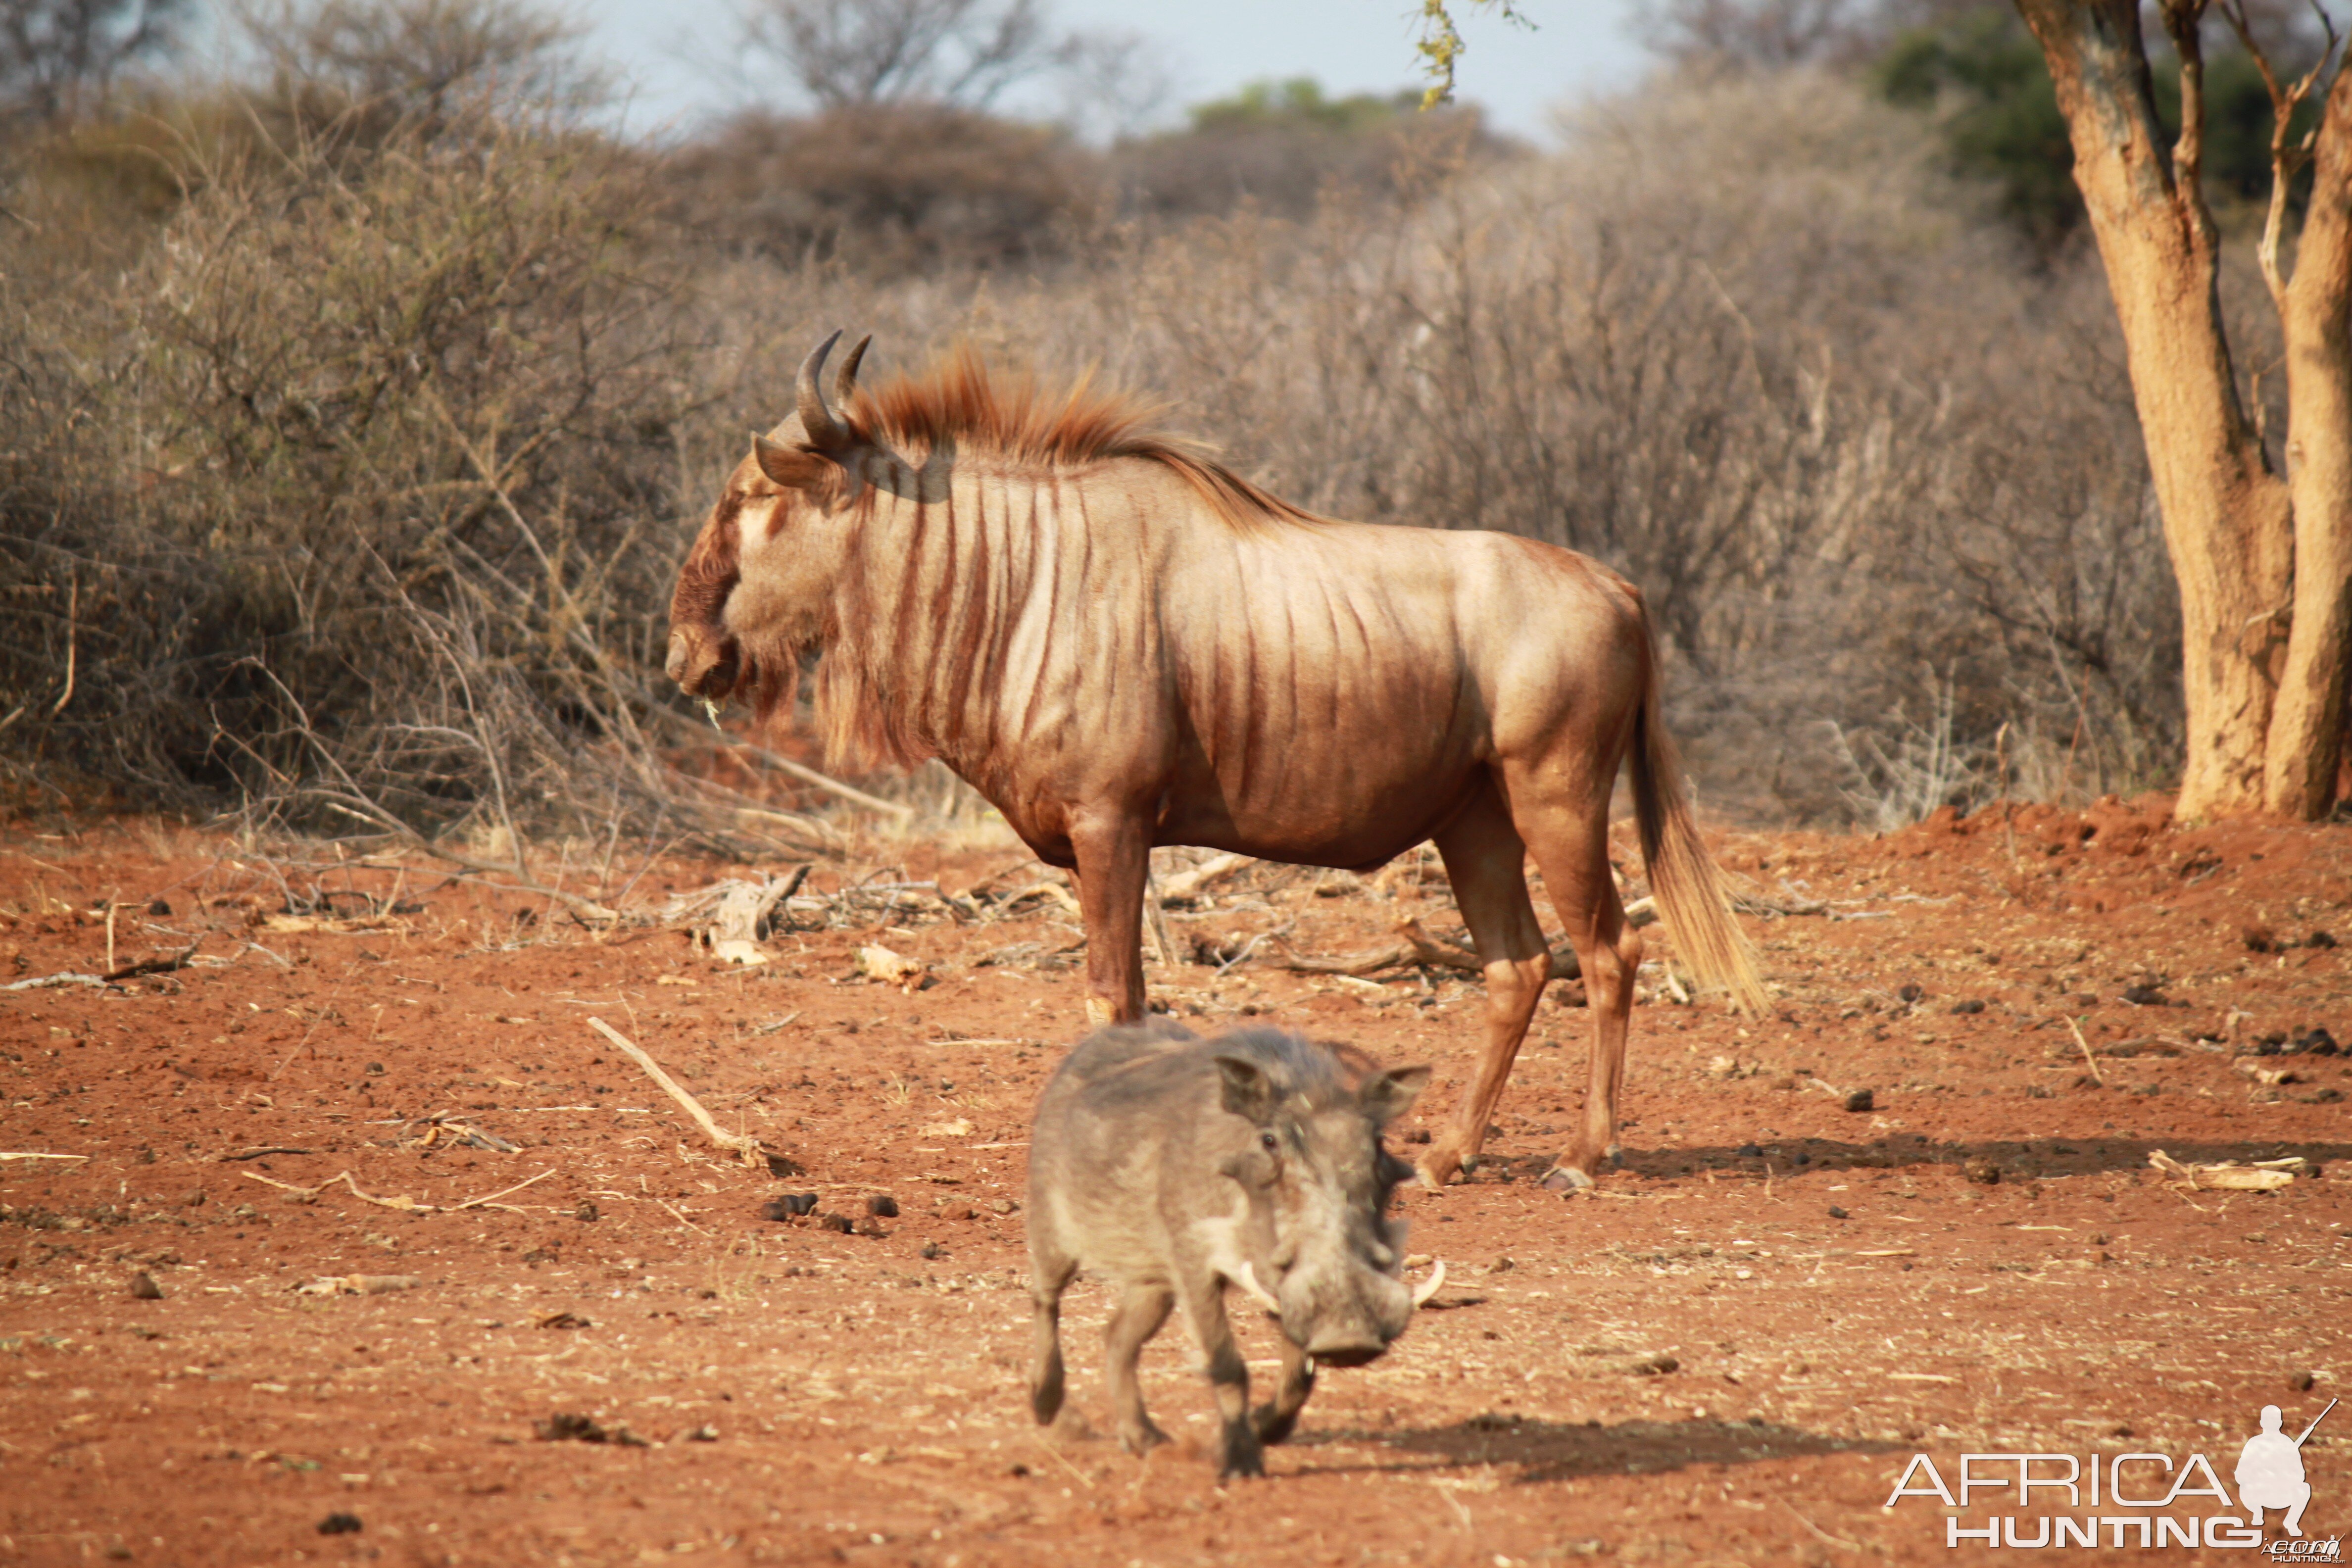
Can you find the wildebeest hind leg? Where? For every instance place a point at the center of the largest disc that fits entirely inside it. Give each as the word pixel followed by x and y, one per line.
pixel 1486 860
pixel 1113 853
pixel 1140 1312
pixel 1572 850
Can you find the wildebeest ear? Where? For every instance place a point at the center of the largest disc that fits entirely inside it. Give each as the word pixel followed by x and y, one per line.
pixel 789 465
pixel 1391 1094
pixel 1249 1095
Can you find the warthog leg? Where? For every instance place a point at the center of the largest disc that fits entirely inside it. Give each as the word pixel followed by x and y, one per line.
pixel 1275 1418
pixel 1486 860
pixel 1113 851
pixel 1238 1450
pixel 1049 1277
pixel 1140 1312
pixel 1571 842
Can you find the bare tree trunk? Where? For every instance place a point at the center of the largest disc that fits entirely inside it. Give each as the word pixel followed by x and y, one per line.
pixel 2315 309
pixel 2228 522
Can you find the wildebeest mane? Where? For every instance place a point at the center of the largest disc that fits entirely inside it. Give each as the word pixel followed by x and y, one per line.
pixel 1030 425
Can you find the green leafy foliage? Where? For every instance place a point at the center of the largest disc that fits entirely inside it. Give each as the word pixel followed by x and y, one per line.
pixel 1980 72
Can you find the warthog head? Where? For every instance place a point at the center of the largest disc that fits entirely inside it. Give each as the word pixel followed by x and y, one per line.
pixel 1314 1244
pixel 756 586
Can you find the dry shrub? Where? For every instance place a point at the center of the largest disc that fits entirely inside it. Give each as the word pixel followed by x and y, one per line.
pixel 360 490
pixel 1281 151
pixel 889 189
pixel 348 503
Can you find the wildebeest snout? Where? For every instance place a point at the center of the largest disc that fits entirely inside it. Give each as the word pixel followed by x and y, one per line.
pixel 703 664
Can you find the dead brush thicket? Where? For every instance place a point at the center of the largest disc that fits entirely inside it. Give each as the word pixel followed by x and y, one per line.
pixel 351 503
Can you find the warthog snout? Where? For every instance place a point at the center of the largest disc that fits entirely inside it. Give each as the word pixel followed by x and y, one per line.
pixel 1182 1168
pixel 702 664
pixel 1359 1313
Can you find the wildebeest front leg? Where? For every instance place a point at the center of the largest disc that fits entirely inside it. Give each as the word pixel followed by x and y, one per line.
pixel 1238 1450
pixel 1140 1312
pixel 1487 862
pixel 1275 1418
pixel 1113 854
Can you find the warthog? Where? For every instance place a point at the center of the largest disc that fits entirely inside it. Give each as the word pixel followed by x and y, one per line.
pixel 1175 1166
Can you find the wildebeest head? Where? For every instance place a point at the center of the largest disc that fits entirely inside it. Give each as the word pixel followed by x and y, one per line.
pixel 756 587
pixel 1317 1247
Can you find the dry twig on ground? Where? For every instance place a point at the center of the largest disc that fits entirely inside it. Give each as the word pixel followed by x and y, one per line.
pixel 749 1150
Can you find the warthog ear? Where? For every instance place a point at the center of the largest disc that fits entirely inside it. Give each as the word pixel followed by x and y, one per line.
pixel 1391 1094
pixel 1249 1095
pixel 789 465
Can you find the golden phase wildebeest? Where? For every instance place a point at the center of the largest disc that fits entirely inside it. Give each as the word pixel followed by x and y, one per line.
pixel 1121 644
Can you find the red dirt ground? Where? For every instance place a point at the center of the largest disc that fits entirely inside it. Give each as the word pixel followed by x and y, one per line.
pixel 806 1395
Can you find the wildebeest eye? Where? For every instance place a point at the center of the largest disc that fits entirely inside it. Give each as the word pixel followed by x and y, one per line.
pixel 1266 1140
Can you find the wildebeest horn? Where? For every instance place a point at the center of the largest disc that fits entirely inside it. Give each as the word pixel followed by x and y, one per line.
pixel 845 380
pixel 1428 1288
pixel 1248 1280
pixel 824 430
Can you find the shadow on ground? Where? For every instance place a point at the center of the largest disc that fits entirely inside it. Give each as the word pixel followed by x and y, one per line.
pixel 1555 1451
pixel 2016 1159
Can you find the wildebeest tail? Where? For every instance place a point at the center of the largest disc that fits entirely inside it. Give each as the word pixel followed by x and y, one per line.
pixel 1683 877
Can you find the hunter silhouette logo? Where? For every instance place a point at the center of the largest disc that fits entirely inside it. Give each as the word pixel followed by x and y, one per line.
pixel 2270 1471
pixel 2156 1502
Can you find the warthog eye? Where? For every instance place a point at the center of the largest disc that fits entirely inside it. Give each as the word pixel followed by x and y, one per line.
pixel 1268 1141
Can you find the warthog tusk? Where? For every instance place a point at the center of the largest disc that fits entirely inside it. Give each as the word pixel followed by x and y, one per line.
pixel 1247 1279
pixel 712 709
pixel 1428 1288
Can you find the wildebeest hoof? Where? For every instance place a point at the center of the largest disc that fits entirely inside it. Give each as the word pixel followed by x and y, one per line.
pixel 1566 1179
pixel 1242 1458
pixel 1141 1439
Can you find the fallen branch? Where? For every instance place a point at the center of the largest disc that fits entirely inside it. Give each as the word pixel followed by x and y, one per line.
pixel 2261 1176
pixel 726 916
pixel 1356 967
pixel 28 1155
pixel 403 1204
pixel 1420 947
pixel 1188 884
pixel 1757 904
pixel 742 1145
pixel 42 982
pixel 164 965
pixel 358 1285
pixel 1052 891
pixel 1436 952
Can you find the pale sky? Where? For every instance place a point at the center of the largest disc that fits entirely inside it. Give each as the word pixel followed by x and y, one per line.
pixel 684 63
